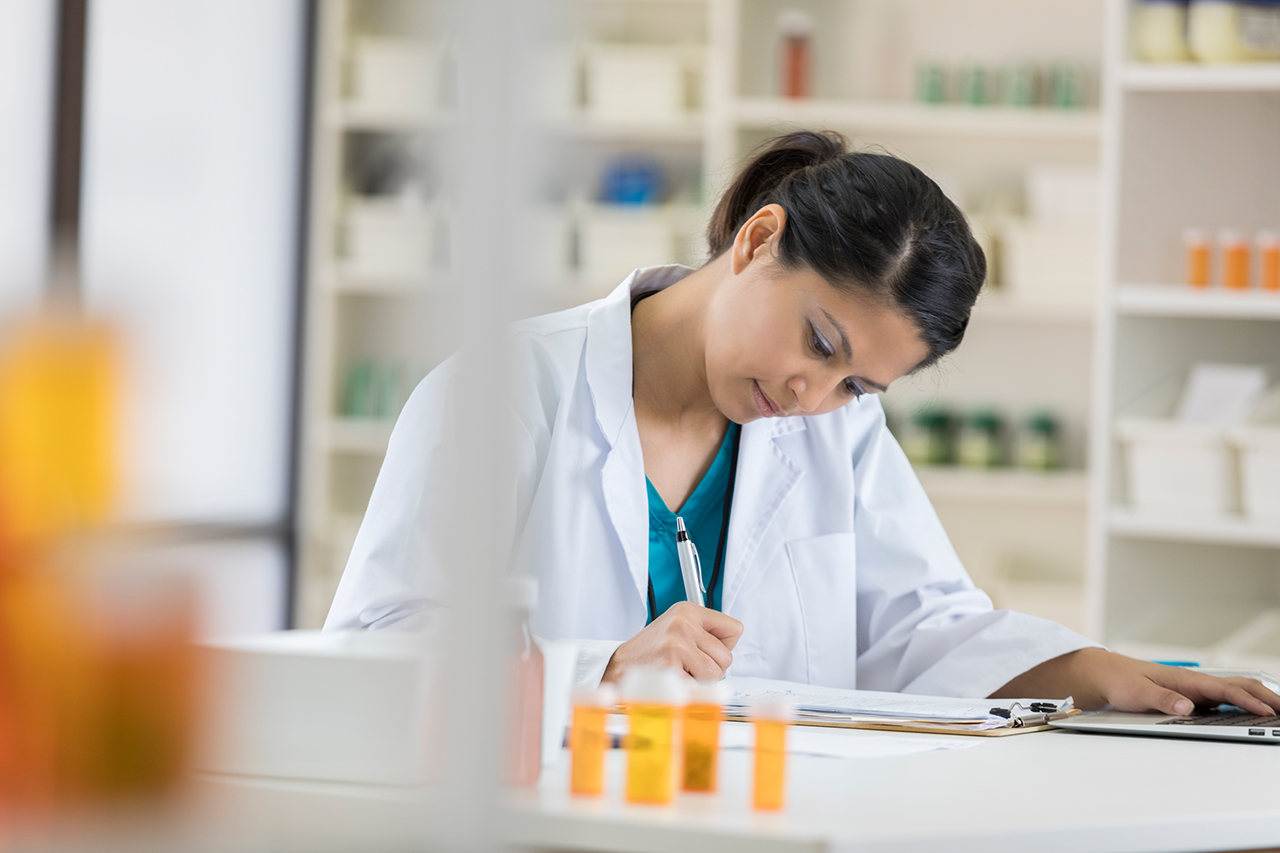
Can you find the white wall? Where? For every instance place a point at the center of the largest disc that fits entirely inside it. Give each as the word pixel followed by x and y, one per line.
pixel 189 224
pixel 27 43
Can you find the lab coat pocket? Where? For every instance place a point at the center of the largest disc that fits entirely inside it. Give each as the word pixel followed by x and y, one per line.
pixel 825 573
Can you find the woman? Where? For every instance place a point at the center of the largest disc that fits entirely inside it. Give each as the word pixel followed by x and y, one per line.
pixel 743 395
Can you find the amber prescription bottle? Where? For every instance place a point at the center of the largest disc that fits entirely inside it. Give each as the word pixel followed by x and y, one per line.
pixel 702 718
pixel 654 698
pixel 771 718
pixel 1196 246
pixel 588 739
pixel 1269 261
pixel 1235 260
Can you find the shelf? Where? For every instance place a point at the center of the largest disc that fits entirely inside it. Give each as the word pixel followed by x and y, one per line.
pixel 354 282
pixel 911 117
pixel 358 435
pixel 686 129
pixel 1193 77
pixel 1175 300
pixel 354 116
pixel 1227 530
pixel 1005 486
pixel 1002 309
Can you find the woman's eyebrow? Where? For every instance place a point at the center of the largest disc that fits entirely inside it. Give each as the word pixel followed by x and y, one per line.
pixel 848 351
pixel 844 339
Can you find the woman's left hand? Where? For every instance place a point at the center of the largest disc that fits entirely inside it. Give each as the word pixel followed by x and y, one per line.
pixel 1097 677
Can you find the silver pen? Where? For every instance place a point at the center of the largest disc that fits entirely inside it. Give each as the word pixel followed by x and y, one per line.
pixel 690 565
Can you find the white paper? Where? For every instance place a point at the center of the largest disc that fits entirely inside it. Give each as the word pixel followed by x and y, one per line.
pixel 863 703
pixel 1221 393
pixel 844 743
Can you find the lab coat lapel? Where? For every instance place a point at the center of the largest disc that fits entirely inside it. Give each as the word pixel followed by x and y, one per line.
pixel 609 379
pixel 765 476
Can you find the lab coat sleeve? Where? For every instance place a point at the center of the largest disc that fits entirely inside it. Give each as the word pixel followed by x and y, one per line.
pixel 593 659
pixel 394 576
pixel 923 627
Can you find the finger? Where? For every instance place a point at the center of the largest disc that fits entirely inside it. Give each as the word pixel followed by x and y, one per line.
pixel 1150 696
pixel 714 648
pixel 724 627
pixel 701 666
pixel 1211 690
pixel 1259 691
pixel 1237 695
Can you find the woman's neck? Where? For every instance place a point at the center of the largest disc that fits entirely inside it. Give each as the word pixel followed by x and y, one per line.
pixel 669 355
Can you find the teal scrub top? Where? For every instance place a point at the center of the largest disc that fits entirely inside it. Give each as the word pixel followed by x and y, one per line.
pixel 703 515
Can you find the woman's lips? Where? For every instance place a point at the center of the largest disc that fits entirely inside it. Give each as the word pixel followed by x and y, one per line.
pixel 763 403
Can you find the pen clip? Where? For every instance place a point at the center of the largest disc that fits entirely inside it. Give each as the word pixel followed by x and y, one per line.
pixel 697 566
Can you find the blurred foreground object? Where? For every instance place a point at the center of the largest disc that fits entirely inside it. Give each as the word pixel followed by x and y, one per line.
pixel 96 680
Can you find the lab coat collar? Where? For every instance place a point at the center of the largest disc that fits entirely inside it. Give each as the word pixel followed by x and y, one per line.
pixel 609 345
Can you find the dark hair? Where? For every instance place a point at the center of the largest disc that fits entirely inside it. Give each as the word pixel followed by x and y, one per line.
pixel 866 222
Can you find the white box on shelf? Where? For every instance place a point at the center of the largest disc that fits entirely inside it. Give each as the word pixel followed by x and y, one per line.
pixel 1062 195
pixel 387 239
pixel 1049 264
pixel 395 76
pixel 551 236
pixel 614 240
pixel 636 83
pixel 341 706
pixel 1259 455
pixel 1173 468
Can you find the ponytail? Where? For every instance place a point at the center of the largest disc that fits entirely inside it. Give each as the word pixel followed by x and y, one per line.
pixel 867 223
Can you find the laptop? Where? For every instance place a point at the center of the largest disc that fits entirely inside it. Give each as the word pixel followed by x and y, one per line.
pixel 1226 722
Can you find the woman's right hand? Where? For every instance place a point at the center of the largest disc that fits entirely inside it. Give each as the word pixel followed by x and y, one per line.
pixel 696 639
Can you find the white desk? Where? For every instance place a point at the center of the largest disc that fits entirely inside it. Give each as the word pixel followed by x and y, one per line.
pixel 1040 793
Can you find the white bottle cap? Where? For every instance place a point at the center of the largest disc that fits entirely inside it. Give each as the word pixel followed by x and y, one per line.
pixel 777 708
pixel 708 693
pixel 1194 237
pixel 605 696
pixel 795 23
pixel 1268 238
pixel 522 592
pixel 1228 237
pixel 654 686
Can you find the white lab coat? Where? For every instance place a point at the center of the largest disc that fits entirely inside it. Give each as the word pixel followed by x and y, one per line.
pixel 836 563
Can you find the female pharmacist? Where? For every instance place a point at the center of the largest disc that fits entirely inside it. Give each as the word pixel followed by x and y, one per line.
pixel 744 391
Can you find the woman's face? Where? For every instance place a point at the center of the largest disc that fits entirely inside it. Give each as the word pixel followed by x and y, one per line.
pixel 783 343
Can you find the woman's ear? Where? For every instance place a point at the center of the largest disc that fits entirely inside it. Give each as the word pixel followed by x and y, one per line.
pixel 757 238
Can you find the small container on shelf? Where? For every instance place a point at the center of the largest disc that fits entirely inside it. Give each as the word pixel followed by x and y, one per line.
pixel 795 33
pixel 1199 258
pixel 636 83
pixel 1234 30
pixel 1068 85
pixel 1020 84
pixel 396 76
pixel 1159 30
pixel 1039 445
pixel 1234 249
pixel 979 444
pixel 1258 446
pixel 975 85
pixel 926 437
pixel 1268 243
pixel 388 239
pixel 932 82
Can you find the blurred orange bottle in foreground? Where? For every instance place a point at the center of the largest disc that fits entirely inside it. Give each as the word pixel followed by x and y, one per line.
pixel 702 718
pixel 589 739
pixel 96 675
pixel 654 697
pixel 771 719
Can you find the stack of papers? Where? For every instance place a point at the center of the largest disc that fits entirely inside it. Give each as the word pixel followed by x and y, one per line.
pixel 899 711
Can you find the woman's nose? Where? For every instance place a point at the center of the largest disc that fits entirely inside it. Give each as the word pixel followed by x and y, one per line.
pixel 809 393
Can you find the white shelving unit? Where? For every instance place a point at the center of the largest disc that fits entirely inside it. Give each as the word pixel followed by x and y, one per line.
pixel 1022 535
pixel 1184 146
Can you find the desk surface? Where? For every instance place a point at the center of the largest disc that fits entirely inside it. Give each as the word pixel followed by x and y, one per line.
pixel 1042 792
pixel 1056 791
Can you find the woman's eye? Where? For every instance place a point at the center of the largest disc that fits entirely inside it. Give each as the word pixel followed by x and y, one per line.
pixel 854 388
pixel 820 345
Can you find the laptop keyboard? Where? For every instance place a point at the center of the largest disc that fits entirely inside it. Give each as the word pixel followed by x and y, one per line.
pixel 1224 718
